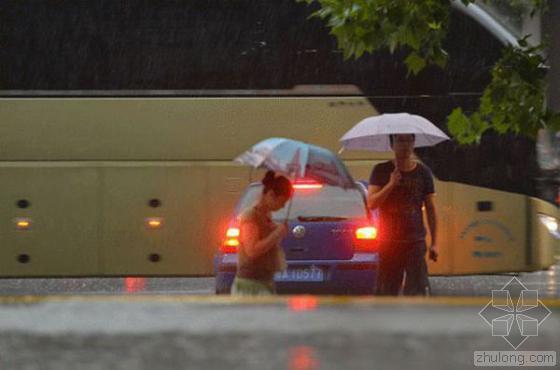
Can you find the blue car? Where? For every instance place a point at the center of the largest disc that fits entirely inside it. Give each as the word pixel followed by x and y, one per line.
pixel 331 246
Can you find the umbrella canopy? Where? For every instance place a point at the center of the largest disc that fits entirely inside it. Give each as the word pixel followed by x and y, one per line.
pixel 373 132
pixel 297 159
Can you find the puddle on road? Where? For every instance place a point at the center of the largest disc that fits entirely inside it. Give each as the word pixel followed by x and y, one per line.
pixel 303 358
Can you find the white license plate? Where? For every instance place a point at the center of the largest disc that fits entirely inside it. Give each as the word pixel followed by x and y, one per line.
pixel 300 274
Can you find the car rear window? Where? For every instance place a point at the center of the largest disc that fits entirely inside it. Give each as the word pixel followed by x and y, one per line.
pixel 328 201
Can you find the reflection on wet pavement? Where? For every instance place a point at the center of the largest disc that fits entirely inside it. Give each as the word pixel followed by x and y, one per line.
pixel 546 282
pixel 303 303
pixel 303 358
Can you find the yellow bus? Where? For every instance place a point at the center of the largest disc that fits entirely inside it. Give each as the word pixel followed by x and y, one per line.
pixel 108 186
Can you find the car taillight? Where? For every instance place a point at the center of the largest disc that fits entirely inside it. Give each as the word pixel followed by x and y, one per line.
pixel 366 233
pixel 232 232
pixel 365 239
pixel 231 243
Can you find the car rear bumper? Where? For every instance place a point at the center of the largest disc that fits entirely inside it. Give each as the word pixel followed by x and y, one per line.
pixel 354 276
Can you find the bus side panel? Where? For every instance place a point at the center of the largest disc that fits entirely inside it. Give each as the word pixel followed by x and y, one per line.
pixel 161 129
pixel 63 234
pixel 197 199
pixel 544 245
pixel 488 230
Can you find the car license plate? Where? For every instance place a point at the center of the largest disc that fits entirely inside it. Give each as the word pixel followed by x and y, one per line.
pixel 300 274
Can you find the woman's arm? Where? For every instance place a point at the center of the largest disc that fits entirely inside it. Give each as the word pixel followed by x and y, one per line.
pixel 254 247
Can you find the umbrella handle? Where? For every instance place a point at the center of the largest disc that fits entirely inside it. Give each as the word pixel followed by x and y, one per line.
pixel 290 202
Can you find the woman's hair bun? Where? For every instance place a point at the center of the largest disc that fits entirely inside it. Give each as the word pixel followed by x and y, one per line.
pixel 280 185
pixel 268 178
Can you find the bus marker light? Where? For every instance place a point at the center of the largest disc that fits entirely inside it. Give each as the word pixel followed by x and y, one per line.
pixel 154 222
pixel 23 223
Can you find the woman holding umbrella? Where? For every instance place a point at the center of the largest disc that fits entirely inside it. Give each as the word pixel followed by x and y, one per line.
pixel 260 254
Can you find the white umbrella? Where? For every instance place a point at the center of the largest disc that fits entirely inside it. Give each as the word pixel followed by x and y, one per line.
pixel 373 132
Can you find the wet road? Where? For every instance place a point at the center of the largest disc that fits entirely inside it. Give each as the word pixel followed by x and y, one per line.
pixel 294 333
pixel 177 323
pixel 546 282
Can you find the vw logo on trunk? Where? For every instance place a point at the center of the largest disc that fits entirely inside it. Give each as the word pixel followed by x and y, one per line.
pixel 298 231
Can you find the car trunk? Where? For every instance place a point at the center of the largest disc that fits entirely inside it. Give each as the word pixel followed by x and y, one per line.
pixel 326 240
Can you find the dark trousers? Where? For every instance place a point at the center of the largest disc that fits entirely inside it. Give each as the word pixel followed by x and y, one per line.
pixel 397 258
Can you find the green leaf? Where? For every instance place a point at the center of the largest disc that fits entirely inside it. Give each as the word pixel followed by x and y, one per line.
pixel 434 25
pixel 411 38
pixel 457 122
pixel 439 56
pixel 415 63
pixel 466 130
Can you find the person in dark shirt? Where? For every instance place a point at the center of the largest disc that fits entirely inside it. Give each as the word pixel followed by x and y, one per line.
pixel 399 189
